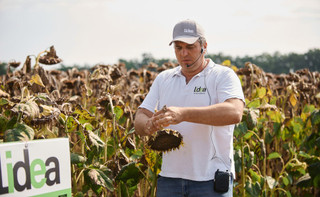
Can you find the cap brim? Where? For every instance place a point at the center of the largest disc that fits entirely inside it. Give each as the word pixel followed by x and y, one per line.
pixel 188 40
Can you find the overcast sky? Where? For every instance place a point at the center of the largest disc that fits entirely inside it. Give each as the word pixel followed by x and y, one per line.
pixel 103 31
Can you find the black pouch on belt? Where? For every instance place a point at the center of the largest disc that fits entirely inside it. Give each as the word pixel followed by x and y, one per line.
pixel 221 181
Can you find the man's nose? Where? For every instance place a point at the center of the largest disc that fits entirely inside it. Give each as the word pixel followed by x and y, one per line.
pixel 184 52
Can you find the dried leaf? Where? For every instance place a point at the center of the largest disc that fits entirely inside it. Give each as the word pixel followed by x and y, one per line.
pixel 271 182
pixel 30 108
pixel 37 80
pixel 3 94
pixel 49 110
pixel 293 99
pixel 252 118
pixel 95 140
pixel 97 177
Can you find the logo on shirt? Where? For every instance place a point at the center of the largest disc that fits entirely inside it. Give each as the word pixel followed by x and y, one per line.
pixel 199 90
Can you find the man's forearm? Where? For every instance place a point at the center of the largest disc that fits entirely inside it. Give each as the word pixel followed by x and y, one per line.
pixel 217 115
pixel 141 122
pixel 226 113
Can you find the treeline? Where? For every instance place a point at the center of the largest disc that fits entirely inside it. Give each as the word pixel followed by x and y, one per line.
pixel 277 63
pixel 274 63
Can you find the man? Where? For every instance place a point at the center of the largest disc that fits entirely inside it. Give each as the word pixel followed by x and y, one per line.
pixel 203 102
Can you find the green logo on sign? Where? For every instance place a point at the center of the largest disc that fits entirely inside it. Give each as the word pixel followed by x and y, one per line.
pixel 37 168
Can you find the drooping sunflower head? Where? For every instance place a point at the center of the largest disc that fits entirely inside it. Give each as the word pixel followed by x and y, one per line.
pixel 165 140
pixel 50 57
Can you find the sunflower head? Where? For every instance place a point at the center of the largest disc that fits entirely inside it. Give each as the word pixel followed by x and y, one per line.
pixel 165 140
pixel 50 57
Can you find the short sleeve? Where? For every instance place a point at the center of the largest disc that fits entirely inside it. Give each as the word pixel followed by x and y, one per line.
pixel 229 86
pixel 152 97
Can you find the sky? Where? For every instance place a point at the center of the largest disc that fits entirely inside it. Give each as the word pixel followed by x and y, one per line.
pixel 94 32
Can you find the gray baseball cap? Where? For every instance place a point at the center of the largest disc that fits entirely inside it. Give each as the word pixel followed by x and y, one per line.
pixel 187 31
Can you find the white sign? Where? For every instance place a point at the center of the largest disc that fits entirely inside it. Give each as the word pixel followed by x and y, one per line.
pixel 35 168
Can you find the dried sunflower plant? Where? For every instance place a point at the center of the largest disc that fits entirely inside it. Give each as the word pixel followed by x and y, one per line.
pixel 276 146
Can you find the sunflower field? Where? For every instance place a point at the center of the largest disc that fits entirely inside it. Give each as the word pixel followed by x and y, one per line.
pixel 276 146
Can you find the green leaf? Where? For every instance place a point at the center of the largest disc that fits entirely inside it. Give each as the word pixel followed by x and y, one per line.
pixel 256 189
pixel 241 128
pixel 275 116
pixel 107 171
pixel 12 122
pixel 308 108
pixel 315 117
pixel 3 101
pixel 274 155
pixel 254 104
pixel 305 155
pixel 297 127
pixel 273 100
pixel 118 111
pixel 124 190
pixel 131 131
pixel 249 187
pixel 285 181
pixel 79 194
pixel 84 115
pixel 248 135
pixel 75 158
pixel 71 123
pixel 21 132
pixel 130 173
pixel 3 124
pixel 137 154
pixel 237 160
pixel 110 147
pixel 261 92
pixel 88 126
pixel 107 180
pixel 254 175
pixel 313 169
pixel 288 194
pixel 268 137
pixel 277 129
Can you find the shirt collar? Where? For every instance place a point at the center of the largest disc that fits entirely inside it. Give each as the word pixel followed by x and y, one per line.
pixel 177 71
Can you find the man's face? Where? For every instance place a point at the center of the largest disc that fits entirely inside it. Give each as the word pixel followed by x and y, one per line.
pixel 187 54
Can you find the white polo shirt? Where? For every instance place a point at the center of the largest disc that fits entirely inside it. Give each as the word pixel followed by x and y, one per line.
pixel 206 148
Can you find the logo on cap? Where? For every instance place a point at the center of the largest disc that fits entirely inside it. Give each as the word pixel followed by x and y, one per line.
pixel 188 30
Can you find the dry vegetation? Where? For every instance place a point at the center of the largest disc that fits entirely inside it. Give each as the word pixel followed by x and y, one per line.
pixel 276 144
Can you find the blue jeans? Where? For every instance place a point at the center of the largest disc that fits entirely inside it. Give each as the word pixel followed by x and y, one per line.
pixel 177 187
